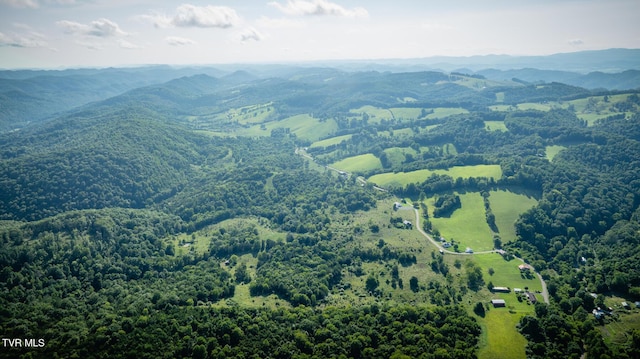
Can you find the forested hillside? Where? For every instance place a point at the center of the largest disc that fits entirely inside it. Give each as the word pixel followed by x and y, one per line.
pixel 322 213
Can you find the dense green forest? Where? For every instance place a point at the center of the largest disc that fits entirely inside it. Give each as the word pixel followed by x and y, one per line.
pixel 195 218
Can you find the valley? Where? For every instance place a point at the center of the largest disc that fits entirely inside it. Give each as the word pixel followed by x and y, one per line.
pixel 316 212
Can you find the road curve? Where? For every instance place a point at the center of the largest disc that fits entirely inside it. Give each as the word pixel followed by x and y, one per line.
pixel 362 181
pixel 545 293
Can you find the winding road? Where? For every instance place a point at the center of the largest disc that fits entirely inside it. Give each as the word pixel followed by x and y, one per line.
pixel 363 181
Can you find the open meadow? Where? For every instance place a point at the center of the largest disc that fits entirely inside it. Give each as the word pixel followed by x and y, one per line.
pixel 507 207
pixel 404 178
pixel 364 162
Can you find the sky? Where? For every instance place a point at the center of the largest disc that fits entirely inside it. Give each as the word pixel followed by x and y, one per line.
pixel 103 33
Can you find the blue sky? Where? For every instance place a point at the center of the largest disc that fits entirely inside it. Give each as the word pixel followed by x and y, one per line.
pixel 80 33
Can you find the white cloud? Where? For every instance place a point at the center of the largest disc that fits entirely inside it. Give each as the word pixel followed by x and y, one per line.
pixel 319 8
pixel 128 45
pixel 31 4
pixel 179 41
pixel 34 4
pixel 188 15
pixel 251 34
pixel 97 28
pixel 576 42
pixel 279 23
pixel 29 39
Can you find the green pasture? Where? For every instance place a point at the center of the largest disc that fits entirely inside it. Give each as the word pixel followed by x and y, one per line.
pixel 534 106
pixel 500 338
pixel 441 112
pixel 450 149
pixel 522 106
pixel 251 114
pixel 376 114
pixel 358 163
pixel 467 225
pixel 495 126
pixel 594 108
pixel 331 141
pixel 404 178
pixel 552 151
pixel 303 126
pixel 499 96
pixel 507 207
pixel 396 155
pixel 507 274
pixel 614 331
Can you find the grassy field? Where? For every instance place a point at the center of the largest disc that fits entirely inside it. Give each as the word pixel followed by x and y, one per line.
pixel 495 126
pixel 331 141
pixel 506 274
pixel 396 155
pixel 467 225
pixel 358 163
pixel 441 112
pixel 507 207
pixel 404 178
pixel 552 151
pixel 303 126
pixel 500 339
pixel 615 331
pixel 376 114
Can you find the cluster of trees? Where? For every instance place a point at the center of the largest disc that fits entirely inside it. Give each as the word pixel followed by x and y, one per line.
pixel 445 204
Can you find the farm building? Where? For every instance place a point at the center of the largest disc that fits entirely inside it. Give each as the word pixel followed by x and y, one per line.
pixel 524 267
pixel 625 305
pixel 407 224
pixel 498 303
pixel 517 290
pixel 532 297
pixel 501 289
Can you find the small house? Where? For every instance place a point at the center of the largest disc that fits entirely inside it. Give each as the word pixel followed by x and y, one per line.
pixel 532 298
pixel 446 244
pixel 625 305
pixel 407 224
pixel 498 303
pixel 524 267
pixel 397 205
pixel 468 250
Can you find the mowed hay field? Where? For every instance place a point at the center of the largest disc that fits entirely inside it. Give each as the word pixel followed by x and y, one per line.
pixel 330 141
pixel 358 163
pixel 467 225
pixel 500 339
pixel 303 126
pixel 552 151
pixel 507 207
pixel 419 176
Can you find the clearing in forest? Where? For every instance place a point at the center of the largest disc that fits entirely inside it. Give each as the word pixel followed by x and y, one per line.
pixel 364 162
pixel 419 176
pixel 467 225
pixel 507 207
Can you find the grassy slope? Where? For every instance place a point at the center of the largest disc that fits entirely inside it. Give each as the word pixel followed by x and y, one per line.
pixel 404 178
pixel 495 126
pixel 552 151
pixel 330 141
pixel 467 225
pixel 358 163
pixel 507 207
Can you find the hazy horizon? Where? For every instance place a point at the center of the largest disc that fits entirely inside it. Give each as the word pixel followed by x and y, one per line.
pixel 97 33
